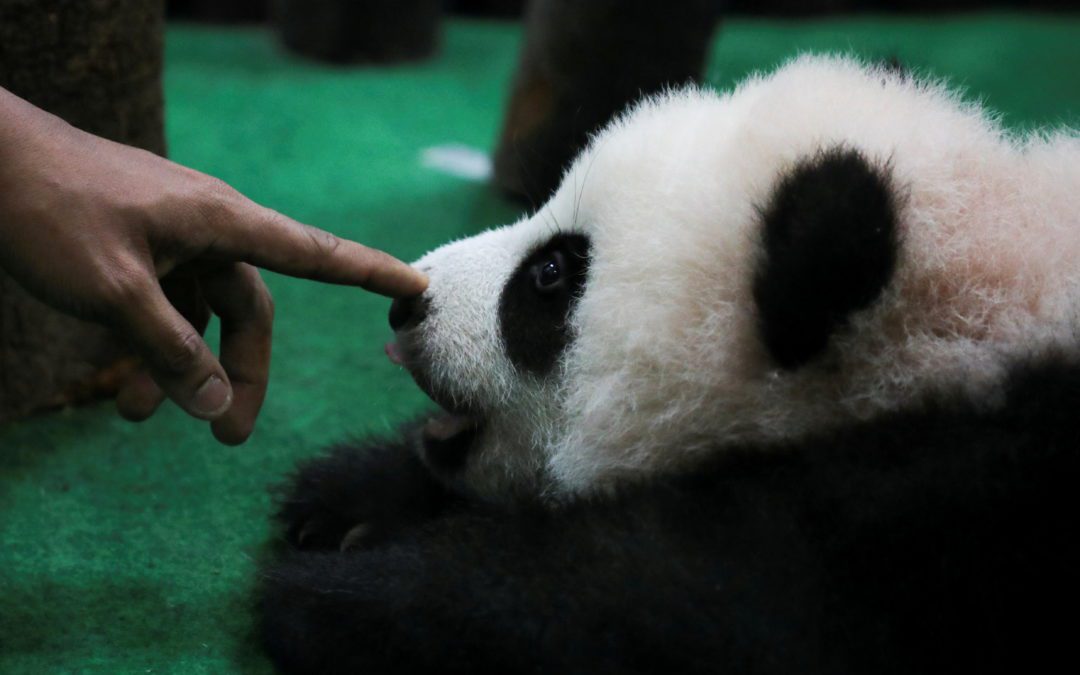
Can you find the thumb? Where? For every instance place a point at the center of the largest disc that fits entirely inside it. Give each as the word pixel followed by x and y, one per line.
pixel 176 355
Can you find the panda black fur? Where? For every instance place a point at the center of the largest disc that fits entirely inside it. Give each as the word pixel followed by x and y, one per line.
pixel 784 380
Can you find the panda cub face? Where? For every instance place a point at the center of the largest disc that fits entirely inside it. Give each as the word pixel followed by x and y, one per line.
pixel 488 343
pixel 820 247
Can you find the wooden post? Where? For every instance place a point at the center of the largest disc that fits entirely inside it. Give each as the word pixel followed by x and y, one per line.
pixel 584 62
pixel 97 64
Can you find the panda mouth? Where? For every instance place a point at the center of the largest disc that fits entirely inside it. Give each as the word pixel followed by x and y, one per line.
pixel 447 435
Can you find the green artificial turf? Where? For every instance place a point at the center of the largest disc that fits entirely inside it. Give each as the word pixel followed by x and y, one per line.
pixel 131 548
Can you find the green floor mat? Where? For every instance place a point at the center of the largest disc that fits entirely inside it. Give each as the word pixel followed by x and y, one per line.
pixel 131 548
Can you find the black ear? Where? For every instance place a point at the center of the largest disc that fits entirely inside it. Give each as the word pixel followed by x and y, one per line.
pixel 829 248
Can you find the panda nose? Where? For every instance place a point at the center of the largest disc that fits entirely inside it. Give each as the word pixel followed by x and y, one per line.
pixel 408 312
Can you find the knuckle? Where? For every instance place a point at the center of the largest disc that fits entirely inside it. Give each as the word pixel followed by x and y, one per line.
pixel 329 242
pixel 181 355
pixel 216 187
pixel 215 200
pixel 124 288
pixel 324 246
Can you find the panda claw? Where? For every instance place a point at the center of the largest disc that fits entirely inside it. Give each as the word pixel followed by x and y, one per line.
pixel 355 537
pixel 306 531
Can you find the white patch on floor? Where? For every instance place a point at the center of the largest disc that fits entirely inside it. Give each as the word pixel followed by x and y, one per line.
pixel 456 159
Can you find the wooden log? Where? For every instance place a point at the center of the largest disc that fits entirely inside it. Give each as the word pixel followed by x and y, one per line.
pixel 359 31
pixel 97 64
pixel 582 63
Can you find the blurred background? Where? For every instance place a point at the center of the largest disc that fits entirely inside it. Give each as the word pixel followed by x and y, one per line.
pixel 401 124
pixel 582 61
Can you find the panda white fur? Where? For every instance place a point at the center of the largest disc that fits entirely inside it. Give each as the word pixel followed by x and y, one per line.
pixel 779 380
pixel 664 355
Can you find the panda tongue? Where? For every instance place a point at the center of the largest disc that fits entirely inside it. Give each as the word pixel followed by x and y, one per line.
pixel 445 425
pixel 393 352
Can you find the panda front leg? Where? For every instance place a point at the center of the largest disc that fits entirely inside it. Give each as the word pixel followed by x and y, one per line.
pixel 481 591
pixel 357 494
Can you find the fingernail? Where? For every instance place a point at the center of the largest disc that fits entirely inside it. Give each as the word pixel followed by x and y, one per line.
pixel 212 398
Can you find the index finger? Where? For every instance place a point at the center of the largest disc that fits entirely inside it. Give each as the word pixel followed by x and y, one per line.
pixel 265 238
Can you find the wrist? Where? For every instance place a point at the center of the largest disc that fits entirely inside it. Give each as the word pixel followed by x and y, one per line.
pixel 10 121
pixel 24 132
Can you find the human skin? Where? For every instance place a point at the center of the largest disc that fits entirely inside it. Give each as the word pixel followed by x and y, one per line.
pixel 126 238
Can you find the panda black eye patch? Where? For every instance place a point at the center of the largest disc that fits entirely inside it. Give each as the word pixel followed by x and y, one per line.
pixel 536 302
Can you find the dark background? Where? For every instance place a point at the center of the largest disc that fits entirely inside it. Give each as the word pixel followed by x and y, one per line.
pixel 257 10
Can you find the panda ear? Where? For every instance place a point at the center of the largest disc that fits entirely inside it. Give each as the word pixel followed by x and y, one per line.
pixel 829 245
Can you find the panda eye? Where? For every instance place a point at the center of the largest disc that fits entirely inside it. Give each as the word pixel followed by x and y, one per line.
pixel 548 273
pixel 537 302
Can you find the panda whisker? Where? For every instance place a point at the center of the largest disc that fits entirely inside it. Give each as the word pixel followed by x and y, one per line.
pixel 550 220
pixel 579 190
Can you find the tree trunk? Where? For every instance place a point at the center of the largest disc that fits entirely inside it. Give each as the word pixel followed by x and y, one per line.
pixel 97 64
pixel 583 63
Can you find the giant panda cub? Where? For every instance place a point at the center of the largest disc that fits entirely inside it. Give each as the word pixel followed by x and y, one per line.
pixel 785 379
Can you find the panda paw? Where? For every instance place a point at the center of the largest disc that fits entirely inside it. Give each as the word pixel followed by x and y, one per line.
pixel 356 496
pixel 320 533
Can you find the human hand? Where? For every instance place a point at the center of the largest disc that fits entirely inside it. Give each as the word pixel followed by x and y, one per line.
pixel 123 237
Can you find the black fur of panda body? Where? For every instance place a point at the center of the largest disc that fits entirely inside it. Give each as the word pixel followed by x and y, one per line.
pixel 951 547
pixel 785 380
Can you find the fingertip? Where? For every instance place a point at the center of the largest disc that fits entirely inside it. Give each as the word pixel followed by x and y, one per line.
pixel 212 399
pixel 415 284
pixel 401 280
pixel 422 282
pixel 237 425
pixel 139 398
pixel 232 431
pixel 133 411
